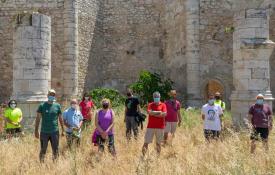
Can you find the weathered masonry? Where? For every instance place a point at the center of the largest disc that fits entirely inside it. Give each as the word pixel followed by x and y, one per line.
pixel 76 45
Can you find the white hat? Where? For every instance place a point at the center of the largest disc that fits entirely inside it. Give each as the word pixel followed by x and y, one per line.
pixel 259 96
pixel 52 91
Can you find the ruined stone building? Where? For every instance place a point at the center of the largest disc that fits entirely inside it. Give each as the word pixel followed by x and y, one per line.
pixel 75 45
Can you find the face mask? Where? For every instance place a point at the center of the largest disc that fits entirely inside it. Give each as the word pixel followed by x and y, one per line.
pixel 74 106
pixel 260 101
pixel 129 94
pixel 13 106
pixel 156 100
pixel 217 97
pixel 86 98
pixel 211 101
pixel 105 105
pixel 51 98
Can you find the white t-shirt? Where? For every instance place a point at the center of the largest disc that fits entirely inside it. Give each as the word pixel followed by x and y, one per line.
pixel 212 117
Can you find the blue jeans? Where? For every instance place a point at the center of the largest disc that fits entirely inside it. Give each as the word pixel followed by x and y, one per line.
pixel 44 139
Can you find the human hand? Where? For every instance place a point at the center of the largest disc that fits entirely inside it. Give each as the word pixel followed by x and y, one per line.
pixel 104 135
pixel 62 134
pixel 179 123
pixel 36 134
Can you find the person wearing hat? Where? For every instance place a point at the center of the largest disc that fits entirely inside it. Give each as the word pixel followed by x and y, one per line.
pixel 260 117
pixel 50 113
pixel 218 101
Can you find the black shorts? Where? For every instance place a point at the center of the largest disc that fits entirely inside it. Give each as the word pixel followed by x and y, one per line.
pixel 13 130
pixel 211 134
pixel 263 132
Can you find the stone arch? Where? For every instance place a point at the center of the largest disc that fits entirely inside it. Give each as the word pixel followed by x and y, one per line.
pixel 213 85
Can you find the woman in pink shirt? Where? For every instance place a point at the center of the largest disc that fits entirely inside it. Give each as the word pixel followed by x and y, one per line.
pixel 86 108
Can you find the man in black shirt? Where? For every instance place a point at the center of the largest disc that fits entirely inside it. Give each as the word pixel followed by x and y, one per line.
pixel 132 108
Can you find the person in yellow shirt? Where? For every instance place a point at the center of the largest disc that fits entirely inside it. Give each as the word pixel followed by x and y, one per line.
pixel 13 118
pixel 218 101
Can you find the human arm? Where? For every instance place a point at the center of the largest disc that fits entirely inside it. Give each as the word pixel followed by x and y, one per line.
pixel 112 124
pixel 97 125
pixel 179 118
pixel 37 122
pixel 125 113
pixel 203 116
pixel 61 124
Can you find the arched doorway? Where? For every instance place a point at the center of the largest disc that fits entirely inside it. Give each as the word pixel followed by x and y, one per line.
pixel 213 86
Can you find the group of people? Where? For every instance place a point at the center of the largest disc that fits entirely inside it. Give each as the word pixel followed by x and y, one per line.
pixel 163 120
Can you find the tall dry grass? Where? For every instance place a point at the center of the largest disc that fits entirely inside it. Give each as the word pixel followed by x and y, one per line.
pixel 188 154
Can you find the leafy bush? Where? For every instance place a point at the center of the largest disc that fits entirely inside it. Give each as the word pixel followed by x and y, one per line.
pixel 148 83
pixel 116 98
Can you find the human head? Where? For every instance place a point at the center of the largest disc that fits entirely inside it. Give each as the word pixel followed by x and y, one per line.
pixel 156 96
pixel 260 99
pixel 106 103
pixel 12 104
pixel 211 99
pixel 173 94
pixel 129 93
pixel 217 95
pixel 74 103
pixel 86 96
pixel 51 95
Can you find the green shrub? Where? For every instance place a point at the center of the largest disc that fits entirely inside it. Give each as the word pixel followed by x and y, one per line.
pixel 148 83
pixel 116 98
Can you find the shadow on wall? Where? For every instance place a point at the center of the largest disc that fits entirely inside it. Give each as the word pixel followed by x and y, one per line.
pixel 93 77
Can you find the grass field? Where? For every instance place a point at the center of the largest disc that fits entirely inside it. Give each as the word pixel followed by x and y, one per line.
pixel 188 154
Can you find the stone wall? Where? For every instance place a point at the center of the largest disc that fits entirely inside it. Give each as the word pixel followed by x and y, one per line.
pixel 88 30
pixel 8 12
pixel 272 59
pixel 216 52
pixel 137 35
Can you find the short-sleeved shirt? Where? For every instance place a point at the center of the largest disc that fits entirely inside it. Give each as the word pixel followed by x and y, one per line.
pixel 85 108
pixel 156 122
pixel 72 117
pixel 13 115
pixel 220 103
pixel 50 113
pixel 132 106
pixel 212 119
pixel 260 115
pixel 173 106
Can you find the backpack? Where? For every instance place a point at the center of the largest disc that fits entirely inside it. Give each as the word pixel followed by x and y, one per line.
pixel 140 118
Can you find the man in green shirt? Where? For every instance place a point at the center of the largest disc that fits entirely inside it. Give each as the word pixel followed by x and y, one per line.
pixel 50 113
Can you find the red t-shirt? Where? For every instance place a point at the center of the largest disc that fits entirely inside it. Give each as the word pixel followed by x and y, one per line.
pixel 85 108
pixel 156 122
pixel 172 110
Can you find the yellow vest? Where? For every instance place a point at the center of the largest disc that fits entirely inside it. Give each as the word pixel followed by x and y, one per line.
pixel 220 103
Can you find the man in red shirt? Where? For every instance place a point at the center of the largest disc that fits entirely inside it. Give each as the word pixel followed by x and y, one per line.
pixel 157 112
pixel 173 117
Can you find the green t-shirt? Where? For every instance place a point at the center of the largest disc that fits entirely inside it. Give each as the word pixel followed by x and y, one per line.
pixel 50 113
pixel 14 115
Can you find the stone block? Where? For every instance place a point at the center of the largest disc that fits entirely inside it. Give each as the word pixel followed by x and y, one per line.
pixel 256 13
pixel 258 85
pixel 259 73
pixel 39 86
pixel 35 73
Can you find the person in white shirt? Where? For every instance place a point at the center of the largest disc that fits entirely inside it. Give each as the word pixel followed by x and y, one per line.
pixel 212 117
